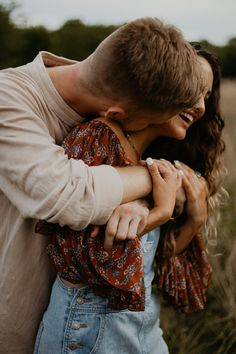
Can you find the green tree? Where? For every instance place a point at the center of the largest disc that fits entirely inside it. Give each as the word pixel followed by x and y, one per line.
pixel 76 40
pixel 7 32
pixel 32 40
pixel 229 58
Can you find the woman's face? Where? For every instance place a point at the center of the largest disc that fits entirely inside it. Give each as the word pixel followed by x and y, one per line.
pixel 178 125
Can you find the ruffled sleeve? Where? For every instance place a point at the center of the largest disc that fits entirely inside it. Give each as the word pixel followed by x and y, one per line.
pixel 184 279
pixel 95 143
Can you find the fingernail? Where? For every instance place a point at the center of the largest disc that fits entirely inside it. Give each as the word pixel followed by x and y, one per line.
pixel 176 162
pixel 181 173
pixel 198 174
pixel 149 161
pixel 162 159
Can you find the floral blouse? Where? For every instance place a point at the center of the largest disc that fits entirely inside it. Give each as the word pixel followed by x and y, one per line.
pixel 117 274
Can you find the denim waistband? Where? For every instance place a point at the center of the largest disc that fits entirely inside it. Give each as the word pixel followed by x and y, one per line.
pixel 85 296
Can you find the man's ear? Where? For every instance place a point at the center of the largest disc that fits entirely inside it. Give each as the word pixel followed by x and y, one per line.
pixel 115 112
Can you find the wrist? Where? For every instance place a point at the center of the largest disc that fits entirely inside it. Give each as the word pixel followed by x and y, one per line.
pixel 136 181
pixel 161 214
pixel 195 223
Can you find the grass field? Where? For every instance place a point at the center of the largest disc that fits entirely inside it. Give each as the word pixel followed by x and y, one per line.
pixel 213 331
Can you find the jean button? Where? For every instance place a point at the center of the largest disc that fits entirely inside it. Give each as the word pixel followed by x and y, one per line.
pixel 76 325
pixel 74 346
pixel 80 301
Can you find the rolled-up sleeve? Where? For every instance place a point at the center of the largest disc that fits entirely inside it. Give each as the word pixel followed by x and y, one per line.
pixel 41 182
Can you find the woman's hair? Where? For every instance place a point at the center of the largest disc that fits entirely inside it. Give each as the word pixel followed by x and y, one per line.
pixel 202 150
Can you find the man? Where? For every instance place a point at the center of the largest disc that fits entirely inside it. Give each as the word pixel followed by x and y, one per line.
pixel 145 69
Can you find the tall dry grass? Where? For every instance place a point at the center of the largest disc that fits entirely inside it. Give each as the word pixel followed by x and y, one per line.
pixel 213 331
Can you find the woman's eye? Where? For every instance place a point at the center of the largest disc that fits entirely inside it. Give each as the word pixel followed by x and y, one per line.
pixel 207 96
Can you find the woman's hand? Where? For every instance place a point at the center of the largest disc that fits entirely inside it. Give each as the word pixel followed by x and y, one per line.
pixel 196 192
pixel 166 181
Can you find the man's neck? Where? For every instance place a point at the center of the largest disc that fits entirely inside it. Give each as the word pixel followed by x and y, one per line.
pixel 67 81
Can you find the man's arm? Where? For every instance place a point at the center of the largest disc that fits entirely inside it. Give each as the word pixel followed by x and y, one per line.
pixel 42 183
pixel 132 219
pixel 136 181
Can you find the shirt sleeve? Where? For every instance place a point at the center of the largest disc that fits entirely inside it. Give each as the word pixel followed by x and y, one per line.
pixel 40 181
pixel 185 278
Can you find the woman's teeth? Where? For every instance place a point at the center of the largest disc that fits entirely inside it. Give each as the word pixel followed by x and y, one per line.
pixel 186 117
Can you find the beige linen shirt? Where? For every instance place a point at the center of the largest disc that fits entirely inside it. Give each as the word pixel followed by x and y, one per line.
pixel 37 181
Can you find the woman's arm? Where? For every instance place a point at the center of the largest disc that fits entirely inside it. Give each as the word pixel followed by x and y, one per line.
pixel 196 206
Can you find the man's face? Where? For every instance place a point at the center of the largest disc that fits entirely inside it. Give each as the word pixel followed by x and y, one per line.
pixel 141 120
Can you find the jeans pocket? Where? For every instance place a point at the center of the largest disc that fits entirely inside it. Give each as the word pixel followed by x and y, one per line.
pixel 38 338
pixel 85 333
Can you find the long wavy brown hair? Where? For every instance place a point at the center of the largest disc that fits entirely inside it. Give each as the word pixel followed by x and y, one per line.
pixel 201 150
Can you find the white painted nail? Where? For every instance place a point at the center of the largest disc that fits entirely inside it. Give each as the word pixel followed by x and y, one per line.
pixel 176 162
pixel 181 173
pixel 149 161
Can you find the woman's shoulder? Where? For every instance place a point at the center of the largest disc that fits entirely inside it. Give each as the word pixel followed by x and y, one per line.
pixel 95 127
pixel 94 140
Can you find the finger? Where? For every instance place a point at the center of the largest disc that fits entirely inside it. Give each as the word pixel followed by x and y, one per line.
pixel 110 233
pixel 199 187
pixel 122 229
pixel 142 163
pixel 168 164
pixel 187 170
pixel 141 226
pixel 133 228
pixel 153 170
pixel 189 188
pixel 151 165
pixel 95 231
pixel 169 173
pixel 164 168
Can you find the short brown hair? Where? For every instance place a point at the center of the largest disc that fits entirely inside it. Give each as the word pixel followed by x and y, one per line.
pixel 150 63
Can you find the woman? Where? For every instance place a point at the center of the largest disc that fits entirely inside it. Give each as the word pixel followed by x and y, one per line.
pixel 81 321
pixel 201 149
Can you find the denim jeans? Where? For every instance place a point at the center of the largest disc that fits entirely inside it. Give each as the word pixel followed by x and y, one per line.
pixel 79 322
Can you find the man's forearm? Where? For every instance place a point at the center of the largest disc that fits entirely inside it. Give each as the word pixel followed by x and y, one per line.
pixel 137 182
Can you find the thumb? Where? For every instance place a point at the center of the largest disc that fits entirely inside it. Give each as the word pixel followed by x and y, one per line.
pixel 153 170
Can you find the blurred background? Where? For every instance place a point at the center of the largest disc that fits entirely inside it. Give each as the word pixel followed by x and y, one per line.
pixel 73 28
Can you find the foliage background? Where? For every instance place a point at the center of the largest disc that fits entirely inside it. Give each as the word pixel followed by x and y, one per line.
pixel 75 40
pixel 212 331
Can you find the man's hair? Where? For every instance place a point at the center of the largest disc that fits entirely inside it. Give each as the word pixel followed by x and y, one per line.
pixel 147 62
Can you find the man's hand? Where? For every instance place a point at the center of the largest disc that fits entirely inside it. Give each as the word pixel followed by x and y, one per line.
pixel 126 222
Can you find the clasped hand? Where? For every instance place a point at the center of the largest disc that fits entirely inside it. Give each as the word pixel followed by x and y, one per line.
pixel 135 218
